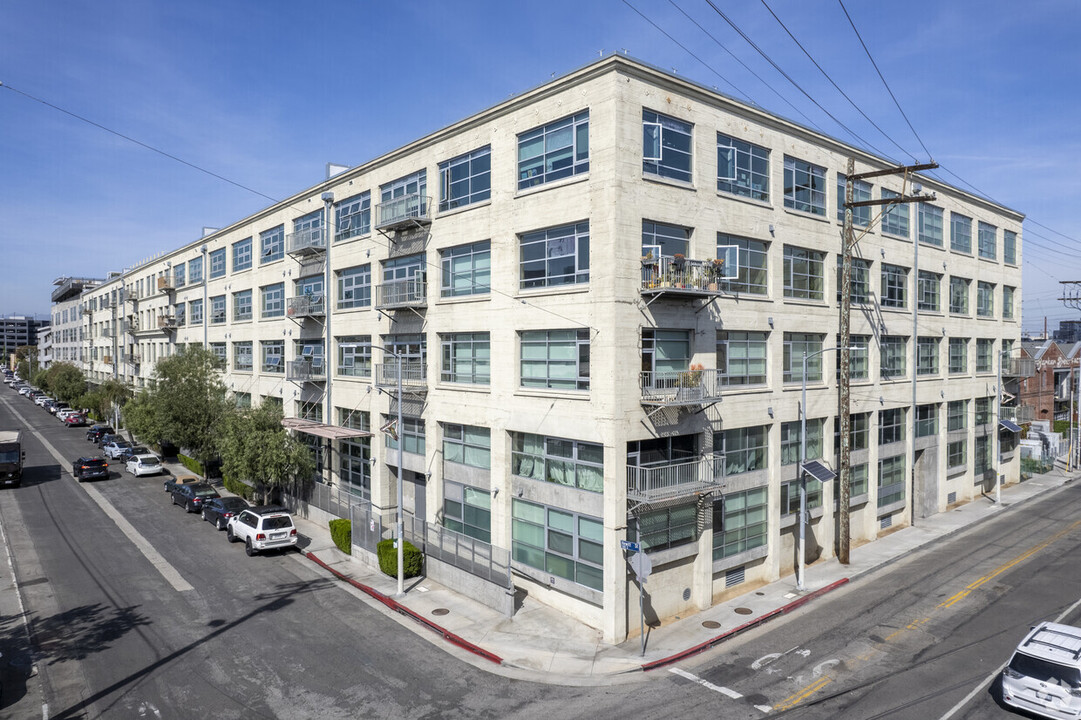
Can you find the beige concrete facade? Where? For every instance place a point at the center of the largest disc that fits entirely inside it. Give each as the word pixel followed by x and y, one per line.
pixel 565 361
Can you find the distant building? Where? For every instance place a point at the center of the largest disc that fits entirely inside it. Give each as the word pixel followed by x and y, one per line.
pixel 18 331
pixel 1069 331
pixel 68 325
pixel 1046 394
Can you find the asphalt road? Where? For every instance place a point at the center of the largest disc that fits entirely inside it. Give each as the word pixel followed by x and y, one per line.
pixel 137 609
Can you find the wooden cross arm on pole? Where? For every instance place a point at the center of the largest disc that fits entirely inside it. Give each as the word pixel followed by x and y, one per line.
pixel 895 170
pixel 892 201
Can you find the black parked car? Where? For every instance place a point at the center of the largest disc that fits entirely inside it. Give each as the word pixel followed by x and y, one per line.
pixel 86 468
pixel 134 450
pixel 96 431
pixel 219 510
pixel 191 497
pixel 107 437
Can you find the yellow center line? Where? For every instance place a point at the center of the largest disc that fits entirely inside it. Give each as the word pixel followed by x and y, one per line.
pixel 799 696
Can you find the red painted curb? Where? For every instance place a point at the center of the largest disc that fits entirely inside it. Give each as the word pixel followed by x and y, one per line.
pixel 783 610
pixel 398 607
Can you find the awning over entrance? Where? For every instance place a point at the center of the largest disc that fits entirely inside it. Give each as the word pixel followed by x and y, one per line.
pixel 1009 425
pixel 330 432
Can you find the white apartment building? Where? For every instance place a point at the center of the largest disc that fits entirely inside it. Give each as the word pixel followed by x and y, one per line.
pixel 600 293
pixel 68 323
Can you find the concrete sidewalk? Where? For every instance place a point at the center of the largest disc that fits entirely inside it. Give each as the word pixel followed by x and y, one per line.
pixel 542 645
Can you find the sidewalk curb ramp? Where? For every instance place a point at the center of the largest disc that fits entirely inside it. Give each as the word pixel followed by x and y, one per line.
pixel 398 607
pixel 760 620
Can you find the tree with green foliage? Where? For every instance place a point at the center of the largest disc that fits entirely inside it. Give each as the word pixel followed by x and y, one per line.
pixel 185 403
pixel 255 447
pixel 63 381
pixel 102 399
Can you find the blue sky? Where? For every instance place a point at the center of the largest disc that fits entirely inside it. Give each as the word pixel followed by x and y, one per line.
pixel 266 93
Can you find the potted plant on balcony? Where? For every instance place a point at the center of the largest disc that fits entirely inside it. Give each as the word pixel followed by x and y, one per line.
pixel 690 382
pixel 679 270
pixel 714 272
pixel 650 274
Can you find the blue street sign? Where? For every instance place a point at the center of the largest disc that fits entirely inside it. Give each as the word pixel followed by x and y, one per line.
pixel 628 545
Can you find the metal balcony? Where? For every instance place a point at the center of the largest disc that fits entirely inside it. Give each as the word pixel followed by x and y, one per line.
pixel 688 278
pixel 167 322
pixel 305 370
pixel 304 306
pixel 306 242
pixel 694 386
pixel 167 283
pixel 679 478
pixel 131 295
pixel 107 359
pixel 1019 367
pixel 408 293
pixel 404 212
pixel 131 326
pixel 1019 414
pixel 414 376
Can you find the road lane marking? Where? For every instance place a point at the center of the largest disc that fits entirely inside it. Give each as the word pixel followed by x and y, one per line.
pixel 170 573
pixel 706 684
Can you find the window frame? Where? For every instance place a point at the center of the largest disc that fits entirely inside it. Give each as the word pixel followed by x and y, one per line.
pixel 450 346
pixel 547 241
pixel 810 195
pixel 748 163
pixel 577 126
pixel 663 134
pixel 479 260
pixel 960 233
pixel 478 180
pixel 803 263
pixel 357 206
pixel 551 339
pixel 242 254
pixel 272 244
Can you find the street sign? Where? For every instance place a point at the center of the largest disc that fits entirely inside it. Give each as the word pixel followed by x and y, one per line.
pixel 642 566
pixel 628 545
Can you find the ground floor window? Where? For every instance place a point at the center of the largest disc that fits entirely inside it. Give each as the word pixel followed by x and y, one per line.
pixel 665 528
pixel 891 480
pixel 740 522
pixel 467 510
pixel 790 495
pixel 559 542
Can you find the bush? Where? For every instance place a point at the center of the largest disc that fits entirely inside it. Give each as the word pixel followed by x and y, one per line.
pixel 190 463
pixel 238 488
pixel 388 558
pixel 341 532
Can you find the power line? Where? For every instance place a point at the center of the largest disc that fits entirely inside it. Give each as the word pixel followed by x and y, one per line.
pixel 835 85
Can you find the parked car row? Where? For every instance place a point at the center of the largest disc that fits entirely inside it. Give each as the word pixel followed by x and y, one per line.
pixel 267 527
pixel 138 460
pixel 70 416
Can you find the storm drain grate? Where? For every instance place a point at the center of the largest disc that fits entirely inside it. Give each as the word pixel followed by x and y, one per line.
pixel 886 522
pixel 735 576
pixel 951 498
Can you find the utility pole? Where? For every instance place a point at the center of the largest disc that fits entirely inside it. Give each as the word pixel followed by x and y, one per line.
pixel 848 242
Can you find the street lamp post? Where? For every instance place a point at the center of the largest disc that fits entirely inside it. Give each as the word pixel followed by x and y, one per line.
pixel 801 559
pixel 401 513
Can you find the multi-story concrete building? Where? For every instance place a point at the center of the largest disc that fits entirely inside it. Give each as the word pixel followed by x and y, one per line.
pixel 597 297
pixel 19 331
pixel 68 323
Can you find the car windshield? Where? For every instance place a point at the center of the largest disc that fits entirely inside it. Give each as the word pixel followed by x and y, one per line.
pixel 140 450
pixel 149 461
pixel 123 444
pixel 9 456
pixel 205 492
pixel 233 503
pixel 277 523
pixel 1046 671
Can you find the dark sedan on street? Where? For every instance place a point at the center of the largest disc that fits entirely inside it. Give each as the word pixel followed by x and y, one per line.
pixel 86 468
pixel 96 431
pixel 219 510
pixel 191 497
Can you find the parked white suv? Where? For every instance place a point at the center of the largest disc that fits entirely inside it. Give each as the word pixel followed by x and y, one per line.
pixel 1044 674
pixel 262 528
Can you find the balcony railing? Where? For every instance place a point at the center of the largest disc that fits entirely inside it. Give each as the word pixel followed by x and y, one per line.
pixel 686 277
pixel 410 292
pixel 306 371
pixel 1019 367
pixel 167 322
pixel 131 326
pixel 1019 414
pixel 304 306
pixel 414 376
pixel 135 358
pixel 695 386
pixel 674 479
pixel 166 283
pixel 406 211
pixel 107 359
pixel 306 242
pixel 107 332
pixel 131 295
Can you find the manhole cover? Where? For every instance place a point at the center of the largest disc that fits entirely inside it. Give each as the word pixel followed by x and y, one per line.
pixel 743 611
pixel 711 624
pixel 440 611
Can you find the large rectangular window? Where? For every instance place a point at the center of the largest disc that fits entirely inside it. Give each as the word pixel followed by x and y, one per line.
pixel 273 300
pixel 1009 247
pixel 355 455
pixel 355 355
pixel 804 186
pixel 983 411
pixel 926 420
pixel 804 273
pixel 353 216
pixel 272 244
pixel 796 345
pixel 960 232
pixel 556 256
pixel 927 356
pixel 1007 302
pixel 467 510
pixel 217 310
pixel 742 168
pixel 894 286
pixel 744 449
pixel 465 179
pixel 217 263
pixel 242 356
pixel 790 441
pixel 861 192
pixel 467 269
pixel 242 305
pixel 985 299
pixel 742 357
pixel 272 356
pixel 981 462
pixel 557 150
pixel 466 358
pixel 467 445
pixel 894 217
pixel 927 291
pixel 411 433
pixel 665 528
pixel 573 463
pixel 664 240
pixel 179 275
pixel 956 415
pixel 986 240
pixel 959 296
pixel 666 146
pixel 195 271
pixel 242 254
pixel 892 351
pixel 355 287
pixel 859 286
pixel 985 355
pixel 891 426
pixel 929 218
pixel 195 312
pixel 740 522
pixel 891 480
pixel 561 543
pixel 556 359
pixel 958 356
pixel 859 432
pixel 790 501
pixel 956 454
pixel 752 277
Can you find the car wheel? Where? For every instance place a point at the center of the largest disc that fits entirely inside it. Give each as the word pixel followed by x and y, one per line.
pixel 172 498
pixel 203 515
pixel 221 524
pixel 188 507
pixel 229 535
pixel 248 549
